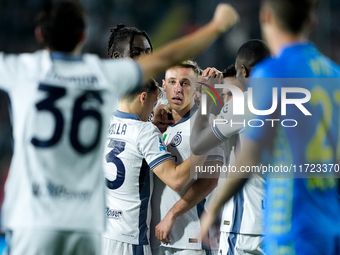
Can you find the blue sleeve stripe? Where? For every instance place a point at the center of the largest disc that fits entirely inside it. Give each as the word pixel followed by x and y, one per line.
pixel 159 160
pixel 218 133
pixel 214 158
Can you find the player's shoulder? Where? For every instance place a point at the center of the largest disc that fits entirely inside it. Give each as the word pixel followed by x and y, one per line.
pixel 91 57
pixel 267 68
pixel 335 68
pixel 122 62
pixel 148 129
pixel 27 65
pixel 26 58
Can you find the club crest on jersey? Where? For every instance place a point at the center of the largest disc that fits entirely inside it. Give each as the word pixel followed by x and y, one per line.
pixel 113 214
pixel 176 140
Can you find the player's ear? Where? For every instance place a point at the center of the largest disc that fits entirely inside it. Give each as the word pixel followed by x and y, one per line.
pixel 116 55
pixel 142 98
pixel 245 72
pixel 163 84
pixel 38 35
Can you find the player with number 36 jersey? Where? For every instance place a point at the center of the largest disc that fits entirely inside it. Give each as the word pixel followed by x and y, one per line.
pixel 59 106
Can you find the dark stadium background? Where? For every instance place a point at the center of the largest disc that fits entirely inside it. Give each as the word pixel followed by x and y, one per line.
pixel 163 21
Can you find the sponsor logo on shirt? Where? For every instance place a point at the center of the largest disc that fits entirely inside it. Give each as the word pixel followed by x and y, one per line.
pixel 113 213
pixel 59 191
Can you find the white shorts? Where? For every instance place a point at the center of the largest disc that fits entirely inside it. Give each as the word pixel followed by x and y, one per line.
pixel 172 251
pixel 51 242
pixel 113 247
pixel 240 244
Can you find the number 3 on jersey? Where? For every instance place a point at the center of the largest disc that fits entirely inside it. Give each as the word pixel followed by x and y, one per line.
pixel 111 157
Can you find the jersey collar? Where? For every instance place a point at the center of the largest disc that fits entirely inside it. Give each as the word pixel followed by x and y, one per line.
pixel 187 115
pixel 65 56
pixel 126 115
pixel 292 46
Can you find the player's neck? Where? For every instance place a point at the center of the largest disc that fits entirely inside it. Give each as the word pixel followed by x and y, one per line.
pixel 75 52
pixel 178 115
pixel 279 40
pixel 129 107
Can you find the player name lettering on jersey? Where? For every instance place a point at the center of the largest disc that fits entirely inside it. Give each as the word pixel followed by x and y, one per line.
pixel 117 129
pixel 89 81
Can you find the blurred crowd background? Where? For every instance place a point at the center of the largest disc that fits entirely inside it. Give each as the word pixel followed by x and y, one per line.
pixel 163 20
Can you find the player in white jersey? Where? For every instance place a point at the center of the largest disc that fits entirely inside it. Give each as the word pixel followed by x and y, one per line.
pixel 177 214
pixel 134 148
pixel 241 222
pixel 61 102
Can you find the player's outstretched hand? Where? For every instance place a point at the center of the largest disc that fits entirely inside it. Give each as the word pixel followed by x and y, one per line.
pixel 225 16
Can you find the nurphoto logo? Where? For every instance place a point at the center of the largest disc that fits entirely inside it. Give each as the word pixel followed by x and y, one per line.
pixel 239 104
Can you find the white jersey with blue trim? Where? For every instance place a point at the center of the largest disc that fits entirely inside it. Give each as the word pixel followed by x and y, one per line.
pixel 183 234
pixel 134 148
pixel 61 105
pixel 243 213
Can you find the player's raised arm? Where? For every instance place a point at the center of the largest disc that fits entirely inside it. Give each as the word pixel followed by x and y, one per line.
pixel 224 18
pixel 202 138
pixel 177 177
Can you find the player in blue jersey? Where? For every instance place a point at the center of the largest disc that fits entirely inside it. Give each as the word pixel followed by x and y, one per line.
pixel 61 101
pixel 301 214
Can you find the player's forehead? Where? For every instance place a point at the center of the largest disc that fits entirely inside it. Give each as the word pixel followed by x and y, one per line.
pixel 140 42
pixel 180 73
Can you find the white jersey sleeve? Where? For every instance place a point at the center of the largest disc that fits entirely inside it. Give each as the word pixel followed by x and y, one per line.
pixel 7 71
pixel 233 124
pixel 126 79
pixel 151 145
pixel 14 68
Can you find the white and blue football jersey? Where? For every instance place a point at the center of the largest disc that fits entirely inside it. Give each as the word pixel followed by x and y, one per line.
pixel 184 233
pixel 243 213
pixel 133 149
pixel 61 105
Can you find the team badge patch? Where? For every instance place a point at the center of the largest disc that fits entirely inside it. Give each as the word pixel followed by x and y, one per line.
pixel 176 140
